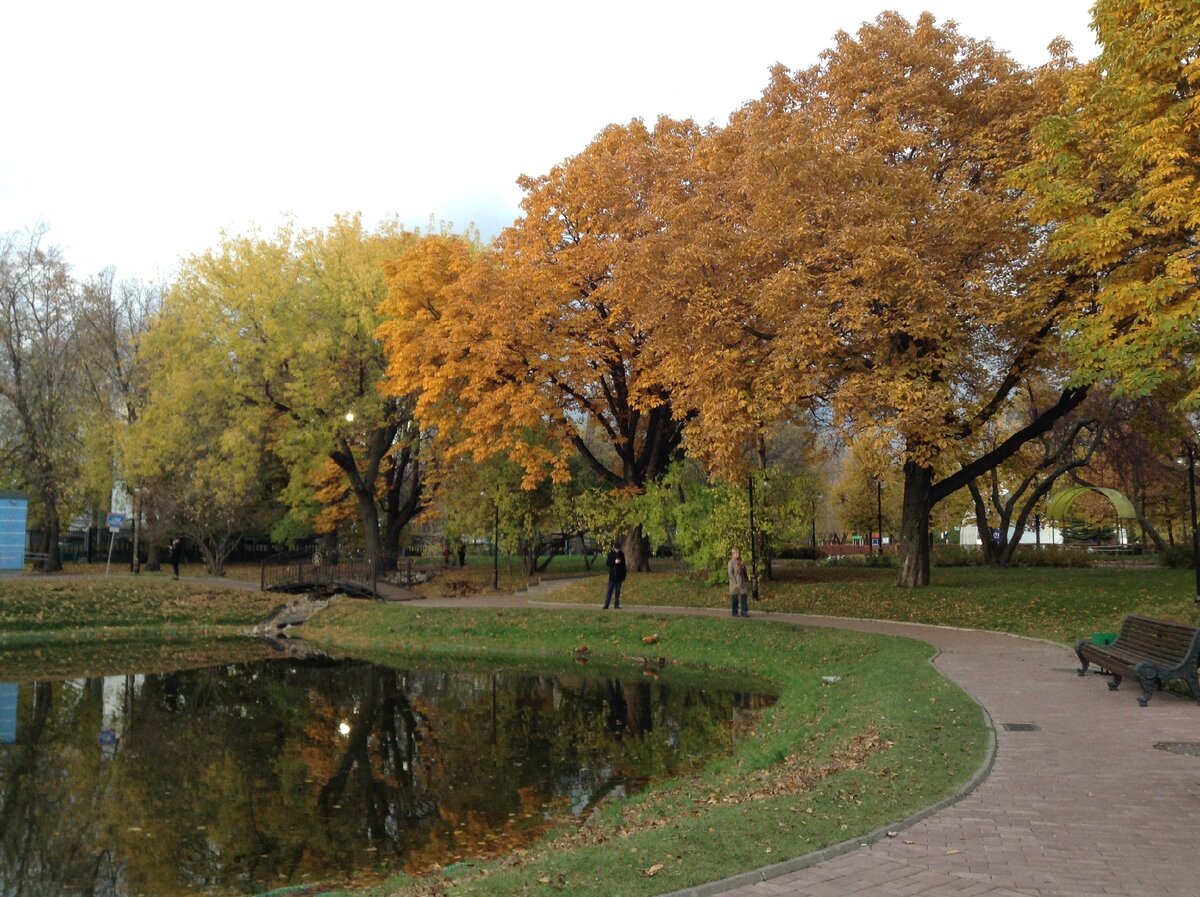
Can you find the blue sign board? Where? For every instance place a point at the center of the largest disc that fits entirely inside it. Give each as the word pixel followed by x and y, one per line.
pixel 14 508
pixel 8 712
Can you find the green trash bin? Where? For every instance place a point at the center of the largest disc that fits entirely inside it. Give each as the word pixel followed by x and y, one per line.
pixel 1103 638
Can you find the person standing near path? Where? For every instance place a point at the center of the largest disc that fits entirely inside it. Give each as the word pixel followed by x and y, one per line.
pixel 616 575
pixel 175 554
pixel 739 583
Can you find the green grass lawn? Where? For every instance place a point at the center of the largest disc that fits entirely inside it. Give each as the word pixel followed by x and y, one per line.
pixel 828 762
pixel 91 608
pixel 1061 604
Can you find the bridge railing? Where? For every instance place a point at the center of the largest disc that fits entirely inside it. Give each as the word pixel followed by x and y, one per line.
pixel 313 567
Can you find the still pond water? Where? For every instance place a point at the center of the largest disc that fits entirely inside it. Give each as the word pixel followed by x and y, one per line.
pixel 243 777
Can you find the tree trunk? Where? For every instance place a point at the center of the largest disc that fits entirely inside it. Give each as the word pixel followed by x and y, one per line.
pixel 368 513
pixel 50 533
pixel 637 550
pixel 982 525
pixel 914 525
pixel 1153 534
pixel 401 503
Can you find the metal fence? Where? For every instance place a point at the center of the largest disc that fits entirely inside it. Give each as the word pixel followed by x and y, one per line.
pixel 313 568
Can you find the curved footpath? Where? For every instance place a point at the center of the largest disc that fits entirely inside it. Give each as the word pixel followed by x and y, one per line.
pixel 1078 802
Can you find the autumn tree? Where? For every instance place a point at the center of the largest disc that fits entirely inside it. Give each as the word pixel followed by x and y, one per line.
pixel 1012 493
pixel 1115 176
pixel 113 317
pixel 204 455
pixel 864 251
pixel 282 329
pixel 1141 456
pixel 868 491
pixel 40 383
pixel 543 332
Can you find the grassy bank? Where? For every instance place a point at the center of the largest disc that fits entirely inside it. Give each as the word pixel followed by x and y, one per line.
pixel 49 609
pixel 1054 603
pixel 829 761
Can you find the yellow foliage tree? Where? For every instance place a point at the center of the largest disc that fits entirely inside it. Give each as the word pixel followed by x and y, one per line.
pixel 279 333
pixel 1117 174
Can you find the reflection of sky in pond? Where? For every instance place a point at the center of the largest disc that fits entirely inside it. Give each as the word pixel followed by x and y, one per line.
pixel 245 777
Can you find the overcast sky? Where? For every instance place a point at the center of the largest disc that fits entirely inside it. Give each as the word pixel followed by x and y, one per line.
pixel 138 131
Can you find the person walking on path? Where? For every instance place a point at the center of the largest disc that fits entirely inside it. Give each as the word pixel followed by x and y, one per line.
pixel 739 583
pixel 175 554
pixel 616 575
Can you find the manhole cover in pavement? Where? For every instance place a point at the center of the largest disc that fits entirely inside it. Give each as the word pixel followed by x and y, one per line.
pixel 1019 727
pixel 1190 748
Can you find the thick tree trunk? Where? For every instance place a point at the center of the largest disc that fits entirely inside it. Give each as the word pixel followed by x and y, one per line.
pixel 914 525
pixel 401 503
pixel 368 513
pixel 637 551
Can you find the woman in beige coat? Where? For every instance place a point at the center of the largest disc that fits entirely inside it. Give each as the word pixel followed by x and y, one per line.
pixel 739 583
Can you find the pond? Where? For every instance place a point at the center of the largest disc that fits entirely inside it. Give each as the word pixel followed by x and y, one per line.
pixel 246 776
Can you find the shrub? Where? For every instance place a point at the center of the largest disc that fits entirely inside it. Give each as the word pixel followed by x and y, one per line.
pixel 1175 557
pixel 956 556
pixel 1050 556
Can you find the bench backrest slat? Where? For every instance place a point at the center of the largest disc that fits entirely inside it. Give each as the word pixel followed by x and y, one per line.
pixel 1162 641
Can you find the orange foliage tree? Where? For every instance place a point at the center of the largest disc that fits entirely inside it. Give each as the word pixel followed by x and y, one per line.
pixel 853 243
pixel 537 349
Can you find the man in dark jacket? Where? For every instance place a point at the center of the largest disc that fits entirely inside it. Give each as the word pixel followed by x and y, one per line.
pixel 616 575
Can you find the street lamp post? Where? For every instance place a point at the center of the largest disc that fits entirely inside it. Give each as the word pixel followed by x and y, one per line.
pixel 496 547
pixel 135 562
pixel 879 511
pixel 1191 457
pixel 753 541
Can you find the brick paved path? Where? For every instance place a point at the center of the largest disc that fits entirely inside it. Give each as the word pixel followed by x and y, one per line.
pixel 1081 806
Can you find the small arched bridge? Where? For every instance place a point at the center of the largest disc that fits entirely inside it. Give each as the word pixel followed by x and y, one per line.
pixel 311 569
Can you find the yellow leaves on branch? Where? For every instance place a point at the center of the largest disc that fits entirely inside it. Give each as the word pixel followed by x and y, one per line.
pixel 1116 174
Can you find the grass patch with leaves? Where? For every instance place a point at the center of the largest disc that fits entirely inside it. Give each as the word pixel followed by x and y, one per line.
pixel 82 609
pixel 826 763
pixel 1061 604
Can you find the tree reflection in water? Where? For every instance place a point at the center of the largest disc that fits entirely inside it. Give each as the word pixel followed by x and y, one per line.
pixel 238 778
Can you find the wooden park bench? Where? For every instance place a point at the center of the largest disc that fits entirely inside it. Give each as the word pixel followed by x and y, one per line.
pixel 37 558
pixel 1152 651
